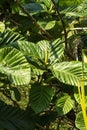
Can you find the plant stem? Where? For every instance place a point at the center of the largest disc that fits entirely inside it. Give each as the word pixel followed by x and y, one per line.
pixel 81 91
pixel 63 24
pixel 33 20
pixel 46 55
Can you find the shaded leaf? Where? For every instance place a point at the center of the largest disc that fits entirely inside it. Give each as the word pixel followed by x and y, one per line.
pixel 12 118
pixel 34 8
pixel 40 97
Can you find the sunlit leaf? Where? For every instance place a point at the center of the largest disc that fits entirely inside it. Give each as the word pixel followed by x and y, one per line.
pixel 15 66
pixel 50 25
pixel 64 104
pixel 8 37
pixel 37 52
pixel 68 72
pixel 2 26
pixel 79 122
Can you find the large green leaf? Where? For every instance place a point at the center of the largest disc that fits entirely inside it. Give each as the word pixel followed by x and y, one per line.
pixel 79 122
pixel 64 104
pixel 12 118
pixel 40 53
pixel 54 50
pixel 28 48
pixel 33 53
pixel 40 97
pixel 32 50
pixel 14 65
pixel 68 72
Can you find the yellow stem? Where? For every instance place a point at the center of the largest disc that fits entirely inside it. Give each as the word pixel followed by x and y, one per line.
pixel 81 91
pixel 46 55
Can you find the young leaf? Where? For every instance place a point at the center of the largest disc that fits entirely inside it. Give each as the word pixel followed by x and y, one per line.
pixel 50 25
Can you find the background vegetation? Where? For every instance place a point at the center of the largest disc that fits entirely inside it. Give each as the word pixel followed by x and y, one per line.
pixel 41 64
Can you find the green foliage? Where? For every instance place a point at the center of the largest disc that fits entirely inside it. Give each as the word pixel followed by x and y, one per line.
pixel 79 11
pixel 34 8
pixel 54 50
pixel 16 94
pixel 41 64
pixel 68 72
pixel 64 104
pixel 2 26
pixel 80 122
pixel 14 65
pixel 69 2
pixel 8 37
pixel 40 97
pixel 14 118
pixel 76 95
